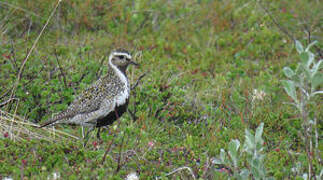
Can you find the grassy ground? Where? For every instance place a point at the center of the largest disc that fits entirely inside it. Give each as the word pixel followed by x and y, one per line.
pixel 206 62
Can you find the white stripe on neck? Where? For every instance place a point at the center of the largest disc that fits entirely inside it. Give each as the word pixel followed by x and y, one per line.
pixel 122 96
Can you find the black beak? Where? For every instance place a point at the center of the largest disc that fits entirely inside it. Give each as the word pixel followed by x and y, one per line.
pixel 134 63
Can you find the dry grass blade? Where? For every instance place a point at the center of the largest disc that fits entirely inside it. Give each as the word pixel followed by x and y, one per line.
pixel 180 169
pixel 31 50
pixel 18 129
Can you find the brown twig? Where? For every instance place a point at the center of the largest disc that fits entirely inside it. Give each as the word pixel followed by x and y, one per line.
pixel 106 152
pixel 281 28
pixel 120 154
pixel 14 61
pixel 138 80
pixel 133 114
pixel 286 32
pixel 61 69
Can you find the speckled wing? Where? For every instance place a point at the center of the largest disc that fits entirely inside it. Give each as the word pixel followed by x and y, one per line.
pixel 89 101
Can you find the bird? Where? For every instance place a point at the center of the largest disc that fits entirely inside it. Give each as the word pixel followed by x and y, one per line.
pixel 104 101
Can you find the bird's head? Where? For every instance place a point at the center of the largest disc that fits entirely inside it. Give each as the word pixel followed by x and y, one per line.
pixel 121 59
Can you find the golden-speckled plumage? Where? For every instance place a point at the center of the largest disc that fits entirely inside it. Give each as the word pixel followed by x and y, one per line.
pixel 99 99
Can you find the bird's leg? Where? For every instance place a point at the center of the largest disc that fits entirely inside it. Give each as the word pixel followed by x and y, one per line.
pixel 83 135
pixel 98 134
pixel 117 116
pixel 86 138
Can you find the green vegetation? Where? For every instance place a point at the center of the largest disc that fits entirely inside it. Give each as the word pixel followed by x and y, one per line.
pixel 302 89
pixel 214 73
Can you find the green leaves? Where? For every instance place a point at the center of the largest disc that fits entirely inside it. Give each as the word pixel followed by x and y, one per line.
pixel 255 142
pixel 290 89
pixel 233 151
pixel 223 157
pixel 258 135
pixel 310 45
pixel 304 57
pixel 249 144
pixel 288 72
pixel 307 76
pixel 304 83
pixel 252 149
pixel 318 66
pixel 317 80
pixel 299 47
pixel 317 76
pixel 217 161
pixel 307 58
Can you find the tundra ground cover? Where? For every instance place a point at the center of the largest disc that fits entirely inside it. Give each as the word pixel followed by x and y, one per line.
pixel 213 69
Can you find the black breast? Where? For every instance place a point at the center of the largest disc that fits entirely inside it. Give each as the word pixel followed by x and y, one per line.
pixel 113 115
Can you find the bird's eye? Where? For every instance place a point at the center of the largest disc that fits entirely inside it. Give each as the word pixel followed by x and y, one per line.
pixel 121 57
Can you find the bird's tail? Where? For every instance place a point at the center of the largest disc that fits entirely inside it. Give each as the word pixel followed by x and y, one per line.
pixel 54 120
pixel 47 123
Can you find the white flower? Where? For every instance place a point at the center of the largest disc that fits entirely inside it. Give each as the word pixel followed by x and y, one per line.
pixel 7 178
pixel 54 176
pixel 132 176
pixel 258 95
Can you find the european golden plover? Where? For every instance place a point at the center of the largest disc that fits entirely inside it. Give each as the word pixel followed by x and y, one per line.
pixel 104 101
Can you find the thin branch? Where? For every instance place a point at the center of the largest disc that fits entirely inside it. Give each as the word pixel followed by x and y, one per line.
pixel 108 150
pixel 61 69
pixel 13 54
pixel 133 114
pixel 318 152
pixel 138 80
pixel 281 28
pixel 31 50
pixel 120 154
pixel 7 101
pixel 179 169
